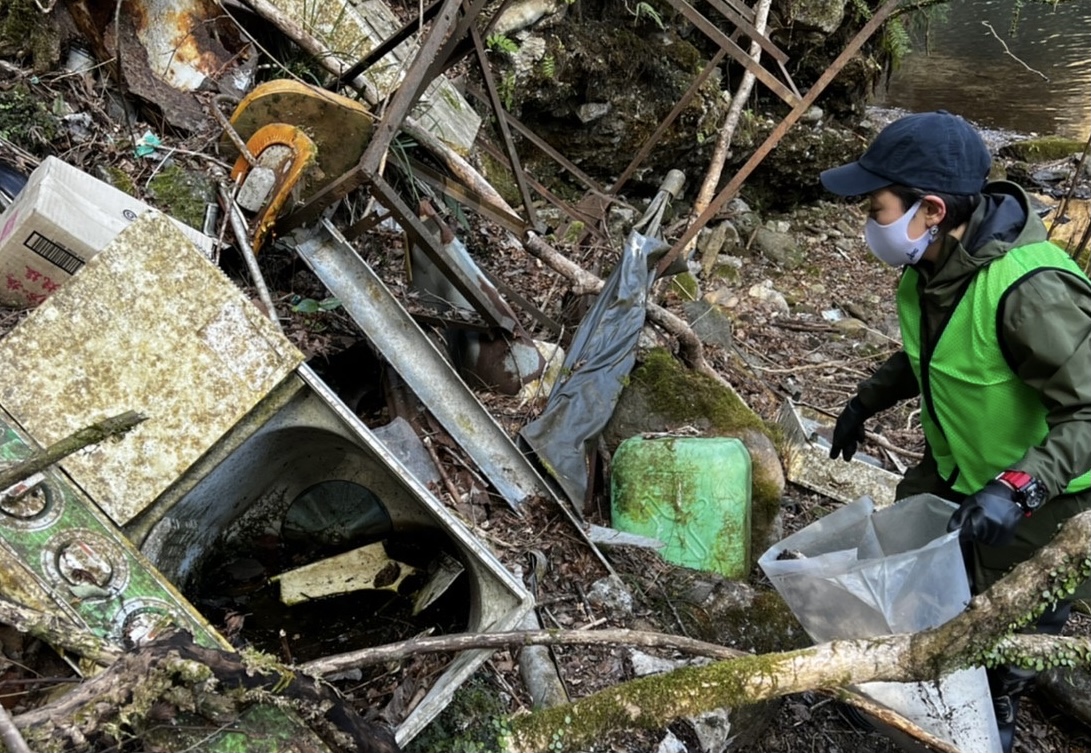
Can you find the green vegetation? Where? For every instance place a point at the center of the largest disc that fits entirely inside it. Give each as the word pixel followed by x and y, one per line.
pixel 473 722
pixel 25 121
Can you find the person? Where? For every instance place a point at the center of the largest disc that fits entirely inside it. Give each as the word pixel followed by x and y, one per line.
pixel 996 341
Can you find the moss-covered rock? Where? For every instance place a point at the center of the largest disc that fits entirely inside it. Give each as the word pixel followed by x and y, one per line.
pixel 28 35
pixel 182 194
pixel 1044 149
pixel 25 121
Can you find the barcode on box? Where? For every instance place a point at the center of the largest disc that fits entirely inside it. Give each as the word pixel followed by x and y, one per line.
pixel 54 253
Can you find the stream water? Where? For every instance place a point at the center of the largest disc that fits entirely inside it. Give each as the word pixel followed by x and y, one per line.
pixel 1033 79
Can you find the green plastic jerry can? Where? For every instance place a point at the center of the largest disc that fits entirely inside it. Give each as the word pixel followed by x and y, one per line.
pixel 691 493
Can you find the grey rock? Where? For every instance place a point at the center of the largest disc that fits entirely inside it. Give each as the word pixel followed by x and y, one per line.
pixel 610 594
pixel 708 323
pixel 779 248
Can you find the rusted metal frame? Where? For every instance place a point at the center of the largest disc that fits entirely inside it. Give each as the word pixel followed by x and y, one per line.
pixel 732 188
pixel 553 154
pixel 749 30
pixel 446 56
pixel 716 35
pixel 743 10
pixel 505 133
pixel 365 223
pixel 682 103
pixel 467 196
pixel 406 96
pixel 495 312
pixel 545 193
pixel 377 54
pixel 524 303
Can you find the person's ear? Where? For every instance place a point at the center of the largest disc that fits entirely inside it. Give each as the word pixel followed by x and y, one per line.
pixel 934 209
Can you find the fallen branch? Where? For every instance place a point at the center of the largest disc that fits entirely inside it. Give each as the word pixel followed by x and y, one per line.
pixel 514 639
pixel 980 634
pixel 524 638
pixel 1009 53
pixel 59 450
pixel 58 631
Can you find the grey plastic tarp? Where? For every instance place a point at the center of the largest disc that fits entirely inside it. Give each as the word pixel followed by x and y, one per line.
pixel 599 359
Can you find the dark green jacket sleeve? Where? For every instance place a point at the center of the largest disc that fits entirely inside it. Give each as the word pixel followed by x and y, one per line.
pixel 891 383
pixel 1046 326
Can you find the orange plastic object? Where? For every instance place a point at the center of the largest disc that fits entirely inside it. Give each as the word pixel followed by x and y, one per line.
pixel 289 164
pixel 339 126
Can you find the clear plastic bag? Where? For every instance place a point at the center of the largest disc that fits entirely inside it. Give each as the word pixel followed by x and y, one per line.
pixel 862 572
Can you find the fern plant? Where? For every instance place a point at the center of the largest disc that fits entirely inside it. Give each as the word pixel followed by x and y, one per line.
pixel 502 43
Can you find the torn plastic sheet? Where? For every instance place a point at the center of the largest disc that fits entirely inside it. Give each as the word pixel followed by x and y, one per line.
pixel 601 355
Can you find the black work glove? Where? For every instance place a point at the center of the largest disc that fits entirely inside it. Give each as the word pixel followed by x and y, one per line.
pixel 988 516
pixel 848 432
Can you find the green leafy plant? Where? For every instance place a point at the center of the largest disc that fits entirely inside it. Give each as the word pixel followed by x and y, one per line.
pixel 507 90
pixel 548 66
pixel 644 10
pixel 502 43
pixel 311 306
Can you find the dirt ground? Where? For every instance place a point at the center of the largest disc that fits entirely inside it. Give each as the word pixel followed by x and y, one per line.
pixel 838 325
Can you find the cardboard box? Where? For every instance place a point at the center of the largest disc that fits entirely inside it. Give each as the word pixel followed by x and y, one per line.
pixel 57 222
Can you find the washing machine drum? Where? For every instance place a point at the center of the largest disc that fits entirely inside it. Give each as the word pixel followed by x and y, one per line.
pixel 336 514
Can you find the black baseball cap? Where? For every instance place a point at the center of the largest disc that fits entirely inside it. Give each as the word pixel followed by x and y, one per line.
pixel 932 151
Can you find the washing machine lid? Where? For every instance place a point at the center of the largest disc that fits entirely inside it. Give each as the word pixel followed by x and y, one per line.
pixel 149 324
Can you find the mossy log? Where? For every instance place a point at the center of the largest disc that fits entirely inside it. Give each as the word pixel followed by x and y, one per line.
pixel 175 678
pixel 983 634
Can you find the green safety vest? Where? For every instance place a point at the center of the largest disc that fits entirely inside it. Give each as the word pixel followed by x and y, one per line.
pixel 979 418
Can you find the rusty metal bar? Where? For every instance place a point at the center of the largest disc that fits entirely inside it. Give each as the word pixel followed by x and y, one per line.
pixel 788 78
pixel 524 303
pixel 653 140
pixel 434 250
pixel 464 195
pixel 446 56
pixel 774 138
pixel 749 30
pixel 406 96
pixel 535 139
pixel 505 133
pixel 713 32
pixel 588 221
pixel 377 54
pixel 365 223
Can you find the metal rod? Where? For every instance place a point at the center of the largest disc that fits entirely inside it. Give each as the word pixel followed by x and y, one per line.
pixel 733 186
pixel 505 133
pixel 238 226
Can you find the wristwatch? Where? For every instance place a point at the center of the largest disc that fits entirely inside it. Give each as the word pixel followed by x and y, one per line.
pixel 1026 491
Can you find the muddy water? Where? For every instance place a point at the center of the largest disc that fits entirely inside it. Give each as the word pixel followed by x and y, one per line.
pixel 1035 79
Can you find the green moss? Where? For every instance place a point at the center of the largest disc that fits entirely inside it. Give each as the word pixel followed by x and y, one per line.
pixel 1044 149
pixel 25 121
pixel 119 179
pixel 686 286
pixel 26 34
pixel 685 396
pixel 181 194
pixel 472 722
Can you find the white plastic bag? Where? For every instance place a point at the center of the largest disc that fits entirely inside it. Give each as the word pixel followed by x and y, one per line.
pixel 862 572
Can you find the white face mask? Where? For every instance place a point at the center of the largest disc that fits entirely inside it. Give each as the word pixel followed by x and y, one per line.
pixel 892 244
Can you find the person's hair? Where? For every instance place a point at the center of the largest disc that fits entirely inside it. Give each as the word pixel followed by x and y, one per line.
pixel 960 207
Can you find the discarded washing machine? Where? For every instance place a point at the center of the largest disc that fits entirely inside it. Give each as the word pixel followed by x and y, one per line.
pixel 240 436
